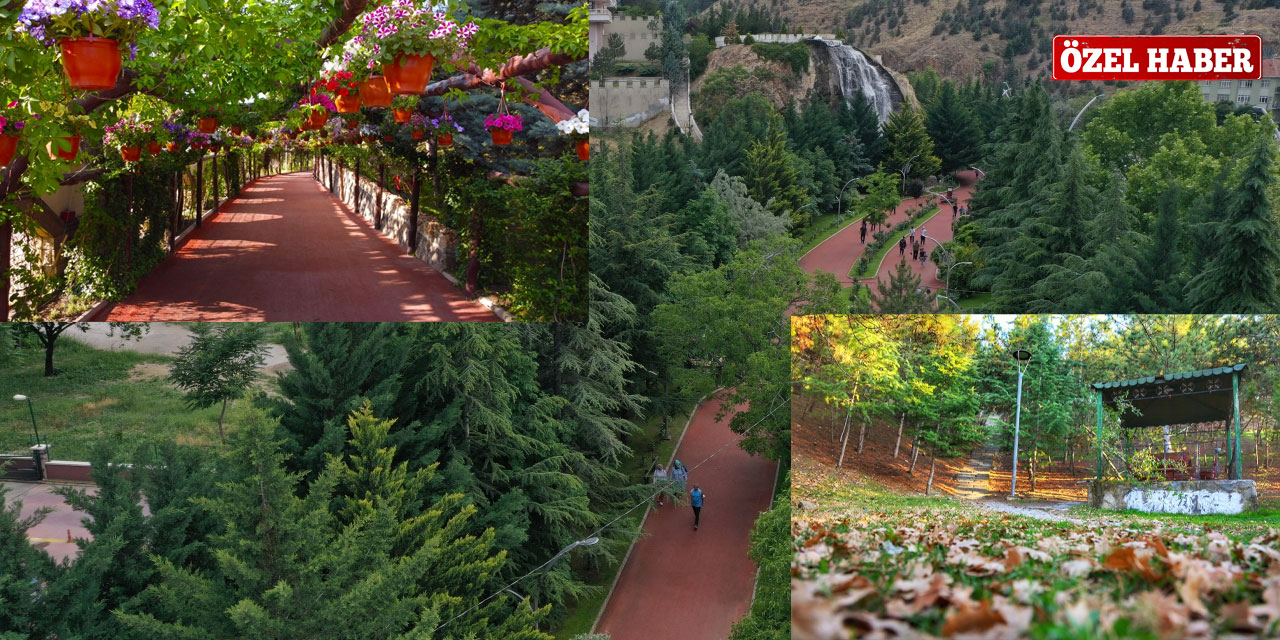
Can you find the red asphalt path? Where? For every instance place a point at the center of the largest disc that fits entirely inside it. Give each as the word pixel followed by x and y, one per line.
pixel 51 533
pixel 286 250
pixel 686 584
pixel 937 228
pixel 838 253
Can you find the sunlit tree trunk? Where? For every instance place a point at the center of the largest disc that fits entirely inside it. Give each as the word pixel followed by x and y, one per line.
pixel 898 442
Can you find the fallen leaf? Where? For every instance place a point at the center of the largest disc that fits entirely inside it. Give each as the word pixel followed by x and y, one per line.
pixel 970 618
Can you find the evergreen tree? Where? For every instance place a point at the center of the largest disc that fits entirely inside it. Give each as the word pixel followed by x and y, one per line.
pixel 771 176
pixel 706 230
pixel 740 125
pixel 908 143
pixel 953 128
pixel 903 293
pixel 25 608
pixel 882 195
pixel 750 218
pixel 1162 262
pixel 859 118
pixel 605 62
pixel 1240 276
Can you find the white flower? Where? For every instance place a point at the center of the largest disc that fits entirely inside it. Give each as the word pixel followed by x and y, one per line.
pixel 582 127
pixel 584 115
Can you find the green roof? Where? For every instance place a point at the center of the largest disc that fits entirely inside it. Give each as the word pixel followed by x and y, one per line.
pixel 1216 371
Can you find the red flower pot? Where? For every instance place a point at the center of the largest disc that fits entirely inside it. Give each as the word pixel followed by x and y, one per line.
pixel 402 115
pixel 91 64
pixel 208 125
pixel 317 118
pixel 445 139
pixel 170 146
pixel 153 147
pixel 418 134
pixel 409 74
pixel 216 147
pixel 131 154
pixel 386 138
pixel 66 149
pixel 8 145
pixel 375 92
pixel 584 149
pixel 347 104
pixel 501 137
pixel 351 124
pixel 235 131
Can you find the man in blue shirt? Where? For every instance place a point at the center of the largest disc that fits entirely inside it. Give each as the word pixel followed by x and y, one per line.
pixel 695 499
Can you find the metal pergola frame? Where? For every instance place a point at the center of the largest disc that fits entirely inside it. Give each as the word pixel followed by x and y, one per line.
pixel 1179 398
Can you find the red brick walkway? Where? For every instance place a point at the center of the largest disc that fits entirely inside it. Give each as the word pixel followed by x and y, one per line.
pixel 686 584
pixel 286 250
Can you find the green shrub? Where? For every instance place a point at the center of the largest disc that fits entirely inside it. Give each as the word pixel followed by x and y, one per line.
pixel 795 54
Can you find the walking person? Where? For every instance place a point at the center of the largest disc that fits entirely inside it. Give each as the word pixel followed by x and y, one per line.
pixel 902 246
pixel 864 232
pixel 924 257
pixel 913 235
pixel 695 499
pixel 915 251
pixel 660 479
pixel 679 475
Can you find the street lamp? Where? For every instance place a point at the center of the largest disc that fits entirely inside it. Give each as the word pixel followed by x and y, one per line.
pixel 840 201
pixel 585 542
pixel 957 305
pixel 1021 357
pixel 953 265
pixel 1086 106
pixel 19 397
pixel 797 210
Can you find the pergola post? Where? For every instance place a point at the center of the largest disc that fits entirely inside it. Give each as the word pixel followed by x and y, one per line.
pixel 413 214
pixel 382 182
pixel 215 181
pixel 1236 469
pixel 357 187
pixel 199 190
pixel 1098 442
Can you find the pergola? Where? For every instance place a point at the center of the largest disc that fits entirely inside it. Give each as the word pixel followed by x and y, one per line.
pixel 1198 398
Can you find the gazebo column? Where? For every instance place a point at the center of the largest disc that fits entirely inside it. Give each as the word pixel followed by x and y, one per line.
pixel 1236 469
pixel 1098 441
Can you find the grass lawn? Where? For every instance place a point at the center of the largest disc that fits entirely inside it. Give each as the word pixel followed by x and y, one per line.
pixel 878 257
pixel 866 557
pixel 824 226
pixel 975 302
pixel 647 444
pixel 120 395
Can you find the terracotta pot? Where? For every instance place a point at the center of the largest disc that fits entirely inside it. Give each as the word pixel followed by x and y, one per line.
pixel 317 118
pixel 418 134
pixel 409 74
pixel 501 137
pixel 208 125
pixel 387 138
pixel 445 139
pixel 347 104
pixel 56 149
pixel 402 115
pixel 235 131
pixel 584 149
pixel 8 146
pixel 170 146
pixel 131 154
pixel 351 124
pixel 91 64
pixel 153 147
pixel 215 148
pixel 375 92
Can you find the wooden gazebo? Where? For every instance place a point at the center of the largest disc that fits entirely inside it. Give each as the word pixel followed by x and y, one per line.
pixel 1196 402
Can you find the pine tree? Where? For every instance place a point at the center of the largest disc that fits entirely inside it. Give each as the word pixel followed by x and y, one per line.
pixel 706 230
pixel 908 143
pixel 771 176
pixel 25 609
pixel 1162 261
pixel 750 218
pixel 954 129
pixel 857 117
pixel 903 293
pixel 1241 274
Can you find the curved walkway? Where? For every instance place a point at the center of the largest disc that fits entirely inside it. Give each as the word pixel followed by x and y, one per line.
pixel 938 228
pixel 693 585
pixel 838 253
pixel 286 250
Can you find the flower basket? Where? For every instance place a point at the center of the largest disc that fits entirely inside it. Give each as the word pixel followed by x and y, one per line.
pixel 352 123
pixel 375 92
pixel 235 131
pixel 445 139
pixel 65 148
pixel 407 38
pixel 317 118
pixel 402 115
pixel 171 146
pixel 387 138
pixel 501 137
pixel 584 149
pixel 8 146
pixel 502 125
pixel 208 125
pixel 91 64
pixel 153 147
pixel 348 103
pixel 418 134
pixel 409 74
pixel 131 154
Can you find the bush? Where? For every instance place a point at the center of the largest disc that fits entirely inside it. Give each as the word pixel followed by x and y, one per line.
pixel 749 39
pixel 796 54
pixel 915 188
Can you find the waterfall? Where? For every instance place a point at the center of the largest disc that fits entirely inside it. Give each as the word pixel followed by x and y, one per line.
pixel 848 70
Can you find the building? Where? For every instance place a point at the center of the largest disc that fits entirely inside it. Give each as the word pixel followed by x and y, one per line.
pixel 625 101
pixel 1263 93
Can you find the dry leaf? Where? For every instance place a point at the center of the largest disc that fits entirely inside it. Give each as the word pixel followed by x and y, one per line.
pixel 969 618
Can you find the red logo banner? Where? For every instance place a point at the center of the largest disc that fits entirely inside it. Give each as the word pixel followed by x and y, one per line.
pixel 1157 57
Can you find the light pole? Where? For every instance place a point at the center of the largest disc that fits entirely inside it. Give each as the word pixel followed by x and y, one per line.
pixel 585 542
pixel 840 201
pixel 811 204
pixel 1086 106
pixel 906 168
pixel 1021 357
pixel 953 265
pixel 957 305
pixel 19 397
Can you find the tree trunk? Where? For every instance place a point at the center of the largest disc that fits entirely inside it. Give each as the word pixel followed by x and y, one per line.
pixel 933 464
pixel 48 357
pixel 845 446
pixel 915 453
pixel 222 435
pixel 1071 457
pixel 862 435
pixel 1032 468
pixel 898 442
pixel 1257 446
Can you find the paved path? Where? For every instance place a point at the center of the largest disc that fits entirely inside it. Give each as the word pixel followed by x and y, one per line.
pixel 838 253
pixel 686 584
pixel 971 483
pixel 287 250
pixel 161 338
pixel 51 533
pixel 936 228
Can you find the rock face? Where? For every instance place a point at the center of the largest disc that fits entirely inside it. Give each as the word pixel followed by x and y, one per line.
pixel 1192 497
pixel 847 70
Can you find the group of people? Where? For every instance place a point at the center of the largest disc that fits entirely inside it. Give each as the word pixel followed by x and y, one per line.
pixel 918 251
pixel 678 476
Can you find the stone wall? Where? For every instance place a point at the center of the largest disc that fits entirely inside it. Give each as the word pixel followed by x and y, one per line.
pixel 627 102
pixel 780 38
pixel 437 244
pixel 1191 497
pixel 635 32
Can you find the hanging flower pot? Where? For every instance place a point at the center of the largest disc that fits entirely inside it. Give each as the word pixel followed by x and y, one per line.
pixel 170 146
pixel 387 138
pixel 409 73
pixel 153 147
pixel 317 118
pixel 375 92
pixel 584 149
pixel 445 139
pixel 215 148
pixel 64 148
pixel 131 154
pixel 418 134
pixel 347 103
pixel 402 115
pixel 235 131
pixel 91 64
pixel 501 137
pixel 208 125
pixel 8 146
pixel 352 122
pixel 502 125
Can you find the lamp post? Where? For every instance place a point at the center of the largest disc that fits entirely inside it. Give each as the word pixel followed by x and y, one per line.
pixel 953 265
pixel 840 200
pixel 1086 106
pixel 19 397
pixel 1021 357
pixel 957 305
pixel 797 210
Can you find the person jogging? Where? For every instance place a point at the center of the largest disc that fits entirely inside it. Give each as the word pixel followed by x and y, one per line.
pixel 660 480
pixel 695 499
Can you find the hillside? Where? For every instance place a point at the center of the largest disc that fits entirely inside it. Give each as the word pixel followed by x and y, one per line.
pixel 972 36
